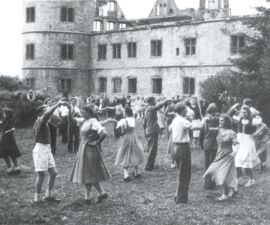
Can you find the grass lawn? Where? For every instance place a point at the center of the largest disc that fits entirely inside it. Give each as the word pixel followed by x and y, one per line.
pixel 148 200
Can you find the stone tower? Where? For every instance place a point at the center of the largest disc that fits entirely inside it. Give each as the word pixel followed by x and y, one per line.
pixel 215 9
pixel 164 8
pixel 56 40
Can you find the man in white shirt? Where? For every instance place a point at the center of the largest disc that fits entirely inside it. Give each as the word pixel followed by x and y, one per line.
pixel 180 127
pixel 63 114
pixel 73 128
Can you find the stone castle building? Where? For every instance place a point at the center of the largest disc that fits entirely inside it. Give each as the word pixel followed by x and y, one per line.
pixel 88 46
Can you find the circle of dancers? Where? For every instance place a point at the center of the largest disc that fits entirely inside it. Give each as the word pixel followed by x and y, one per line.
pixel 234 143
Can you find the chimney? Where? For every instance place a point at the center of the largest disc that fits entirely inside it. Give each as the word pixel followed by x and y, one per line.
pixel 202 4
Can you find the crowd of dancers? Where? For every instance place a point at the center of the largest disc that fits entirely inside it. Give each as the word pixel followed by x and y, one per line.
pixel 233 142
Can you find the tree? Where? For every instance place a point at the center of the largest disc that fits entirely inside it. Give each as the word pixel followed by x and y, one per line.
pixel 252 77
pixel 9 83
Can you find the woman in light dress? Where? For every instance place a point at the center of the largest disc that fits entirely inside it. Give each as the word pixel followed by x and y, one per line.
pixel 89 168
pixel 130 150
pixel 246 157
pixel 222 170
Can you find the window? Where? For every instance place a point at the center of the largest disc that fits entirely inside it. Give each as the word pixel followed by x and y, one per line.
pixel 111 6
pixel 116 51
pixel 132 85
pixel 30 82
pixel 156 85
pixel 122 26
pixel 102 84
pixel 190 45
pixel 117 85
pixel 237 43
pixel 65 85
pixel 67 51
pixel 156 48
pixel 97 25
pixel 188 86
pixel 30 51
pixel 30 14
pixel 110 26
pixel 177 51
pixel 132 50
pixel 67 14
pixel 171 11
pixel 102 52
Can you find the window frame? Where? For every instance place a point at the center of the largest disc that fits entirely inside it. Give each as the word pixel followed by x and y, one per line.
pixel 188 91
pixel 30 51
pixel 114 88
pixel 65 55
pixel 117 51
pixel 30 14
pixel 235 50
pixel 190 46
pixel 160 85
pixel 102 52
pixel 67 87
pixel 30 82
pixel 65 16
pixel 102 88
pixel 132 49
pixel 130 85
pixel 155 48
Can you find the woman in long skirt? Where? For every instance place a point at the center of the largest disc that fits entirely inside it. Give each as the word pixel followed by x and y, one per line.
pixel 89 168
pixel 246 157
pixel 130 150
pixel 9 150
pixel 222 170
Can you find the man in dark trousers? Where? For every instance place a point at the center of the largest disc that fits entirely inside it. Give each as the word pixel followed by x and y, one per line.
pixel 73 128
pixel 180 127
pixel 151 130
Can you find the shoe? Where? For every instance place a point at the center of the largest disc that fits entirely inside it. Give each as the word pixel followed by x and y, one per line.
pixel 250 183
pixel 9 170
pixel 17 170
pixel 223 198
pixel 173 166
pixel 127 179
pixel 51 199
pixel 138 175
pixel 101 198
pixel 233 193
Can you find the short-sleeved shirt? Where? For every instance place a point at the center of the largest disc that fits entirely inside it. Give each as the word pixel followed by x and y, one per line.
pixel 180 127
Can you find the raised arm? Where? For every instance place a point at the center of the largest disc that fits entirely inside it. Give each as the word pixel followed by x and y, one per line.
pixel 159 105
pixel 49 112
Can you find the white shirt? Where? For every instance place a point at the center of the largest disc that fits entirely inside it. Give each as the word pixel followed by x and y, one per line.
pixel 130 121
pixel 75 110
pixel 180 127
pixel 63 111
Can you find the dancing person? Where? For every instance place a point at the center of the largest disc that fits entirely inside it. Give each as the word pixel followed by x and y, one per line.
pixel 222 170
pixel 248 102
pixel 262 141
pixel 73 129
pixel 151 130
pixel 63 114
pixel 130 150
pixel 210 145
pixel 89 168
pixel 9 150
pixel 42 155
pixel 246 158
pixel 180 127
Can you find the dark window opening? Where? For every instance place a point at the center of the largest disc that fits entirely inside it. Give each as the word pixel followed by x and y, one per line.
pixel 190 45
pixel 188 86
pixel 177 51
pixel 132 85
pixel 30 14
pixel 237 43
pixel 117 85
pixel 67 14
pixel 64 85
pixel 30 82
pixel 102 52
pixel 156 48
pixel 156 85
pixel 67 51
pixel 30 51
pixel 132 50
pixel 102 84
pixel 117 51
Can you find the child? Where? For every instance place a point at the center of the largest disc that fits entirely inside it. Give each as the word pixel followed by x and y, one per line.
pixel 130 151
pixel 42 155
pixel 9 150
